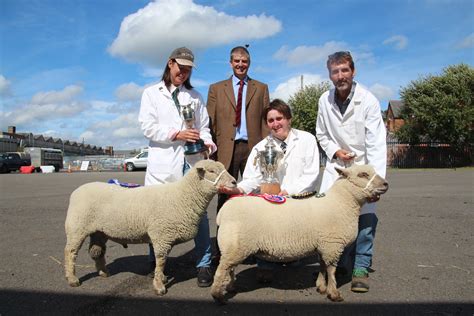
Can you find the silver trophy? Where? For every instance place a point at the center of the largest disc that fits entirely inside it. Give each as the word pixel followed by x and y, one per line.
pixel 269 161
pixel 189 118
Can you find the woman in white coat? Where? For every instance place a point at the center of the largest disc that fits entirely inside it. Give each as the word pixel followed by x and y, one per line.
pixel 161 123
pixel 350 130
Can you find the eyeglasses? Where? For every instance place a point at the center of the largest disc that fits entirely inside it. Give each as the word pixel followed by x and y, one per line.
pixel 340 54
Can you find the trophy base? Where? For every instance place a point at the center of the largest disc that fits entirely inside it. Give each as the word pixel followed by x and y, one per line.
pixel 194 148
pixel 270 188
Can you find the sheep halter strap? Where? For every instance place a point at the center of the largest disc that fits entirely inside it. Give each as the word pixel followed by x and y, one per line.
pixel 370 181
pixel 217 179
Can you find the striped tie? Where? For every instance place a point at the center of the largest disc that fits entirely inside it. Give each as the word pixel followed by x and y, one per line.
pixel 174 95
pixel 238 109
pixel 283 147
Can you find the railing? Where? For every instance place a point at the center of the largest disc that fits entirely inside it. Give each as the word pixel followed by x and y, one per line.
pixel 428 155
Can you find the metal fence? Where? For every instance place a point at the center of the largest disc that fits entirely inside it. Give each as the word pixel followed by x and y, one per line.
pixel 428 155
pixel 94 163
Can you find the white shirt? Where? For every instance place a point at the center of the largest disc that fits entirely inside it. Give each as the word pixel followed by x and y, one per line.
pixel 360 130
pixel 298 170
pixel 160 121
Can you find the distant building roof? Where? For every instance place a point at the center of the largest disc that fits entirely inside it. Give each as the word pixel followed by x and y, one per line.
pixel 396 106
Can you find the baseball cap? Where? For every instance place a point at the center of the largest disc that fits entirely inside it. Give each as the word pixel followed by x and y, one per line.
pixel 183 56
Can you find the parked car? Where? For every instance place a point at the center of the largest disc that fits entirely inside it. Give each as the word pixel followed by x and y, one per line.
pixel 13 161
pixel 137 162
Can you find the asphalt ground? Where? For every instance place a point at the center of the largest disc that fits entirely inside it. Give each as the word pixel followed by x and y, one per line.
pixel 423 262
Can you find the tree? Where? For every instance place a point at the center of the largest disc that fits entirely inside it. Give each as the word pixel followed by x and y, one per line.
pixel 304 106
pixel 440 108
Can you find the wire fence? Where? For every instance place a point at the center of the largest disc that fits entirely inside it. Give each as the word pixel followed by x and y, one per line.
pixel 428 155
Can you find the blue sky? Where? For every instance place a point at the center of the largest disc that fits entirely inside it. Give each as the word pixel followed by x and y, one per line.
pixel 76 69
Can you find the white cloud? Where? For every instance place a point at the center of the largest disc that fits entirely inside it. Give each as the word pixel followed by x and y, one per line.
pixel 314 55
pixel 199 83
pixel 381 92
pixel 149 35
pixel 467 42
pixel 129 92
pixel 152 72
pixel 54 97
pixel 99 105
pixel 5 86
pixel 123 131
pixel 47 106
pixel 291 86
pixel 399 41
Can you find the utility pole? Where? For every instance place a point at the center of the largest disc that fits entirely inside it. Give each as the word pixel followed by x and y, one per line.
pixel 302 82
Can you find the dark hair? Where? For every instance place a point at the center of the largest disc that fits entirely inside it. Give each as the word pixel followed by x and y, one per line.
pixel 340 58
pixel 166 77
pixel 239 49
pixel 280 106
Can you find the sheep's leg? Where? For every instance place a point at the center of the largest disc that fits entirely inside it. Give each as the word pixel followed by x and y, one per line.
pixel 225 275
pixel 333 293
pixel 70 254
pixel 321 285
pixel 160 279
pixel 97 248
pixel 230 287
pixel 223 279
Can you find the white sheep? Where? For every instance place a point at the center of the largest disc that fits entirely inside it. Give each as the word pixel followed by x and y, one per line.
pixel 165 215
pixel 295 229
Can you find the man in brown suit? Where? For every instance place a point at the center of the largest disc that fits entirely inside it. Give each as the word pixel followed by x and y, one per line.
pixel 236 129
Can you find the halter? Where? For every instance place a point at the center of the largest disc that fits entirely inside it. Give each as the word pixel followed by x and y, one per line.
pixel 217 179
pixel 368 184
pixel 370 181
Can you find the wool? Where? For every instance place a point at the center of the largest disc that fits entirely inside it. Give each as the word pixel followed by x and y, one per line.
pixel 164 215
pixel 295 229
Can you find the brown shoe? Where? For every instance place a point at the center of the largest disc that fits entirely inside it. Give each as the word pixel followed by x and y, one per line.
pixel 360 280
pixel 264 276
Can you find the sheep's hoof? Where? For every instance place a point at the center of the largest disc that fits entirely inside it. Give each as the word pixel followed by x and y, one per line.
pixel 336 297
pixel 160 291
pixel 321 290
pixel 104 274
pixel 220 300
pixel 74 282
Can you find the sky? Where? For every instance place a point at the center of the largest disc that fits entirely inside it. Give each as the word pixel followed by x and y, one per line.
pixel 76 69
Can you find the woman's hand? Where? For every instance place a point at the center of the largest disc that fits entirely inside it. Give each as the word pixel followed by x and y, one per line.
pixel 230 191
pixel 188 135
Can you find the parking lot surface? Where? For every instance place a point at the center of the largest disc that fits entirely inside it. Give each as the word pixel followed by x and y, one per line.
pixel 423 260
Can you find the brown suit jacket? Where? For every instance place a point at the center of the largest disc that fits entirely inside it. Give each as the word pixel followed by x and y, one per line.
pixel 221 108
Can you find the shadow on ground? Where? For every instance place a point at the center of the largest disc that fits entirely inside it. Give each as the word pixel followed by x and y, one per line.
pixel 42 303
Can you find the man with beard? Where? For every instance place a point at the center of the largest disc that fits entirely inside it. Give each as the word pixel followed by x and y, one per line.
pixel 350 130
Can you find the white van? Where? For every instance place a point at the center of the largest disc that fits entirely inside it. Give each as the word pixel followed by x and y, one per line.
pixel 137 162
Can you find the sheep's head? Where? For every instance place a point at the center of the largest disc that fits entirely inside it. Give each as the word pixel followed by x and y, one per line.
pixel 214 172
pixel 365 177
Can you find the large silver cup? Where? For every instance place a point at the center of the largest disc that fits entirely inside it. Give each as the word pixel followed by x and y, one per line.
pixel 269 161
pixel 189 118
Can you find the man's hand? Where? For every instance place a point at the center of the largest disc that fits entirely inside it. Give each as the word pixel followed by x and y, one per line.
pixel 283 193
pixel 188 135
pixel 345 155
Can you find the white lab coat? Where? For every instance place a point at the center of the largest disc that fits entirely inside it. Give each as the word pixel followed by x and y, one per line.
pixel 299 167
pixel 361 130
pixel 159 120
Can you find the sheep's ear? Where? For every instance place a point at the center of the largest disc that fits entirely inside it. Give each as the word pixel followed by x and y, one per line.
pixel 200 171
pixel 342 172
